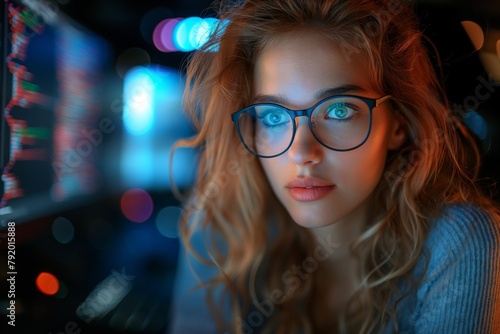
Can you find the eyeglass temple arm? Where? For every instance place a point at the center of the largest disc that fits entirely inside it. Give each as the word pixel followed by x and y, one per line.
pixel 382 100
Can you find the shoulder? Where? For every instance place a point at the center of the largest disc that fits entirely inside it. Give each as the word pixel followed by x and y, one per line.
pixel 458 275
pixel 464 218
pixel 462 236
pixel 461 228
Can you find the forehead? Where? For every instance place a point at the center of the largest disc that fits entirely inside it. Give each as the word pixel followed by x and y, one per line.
pixel 298 65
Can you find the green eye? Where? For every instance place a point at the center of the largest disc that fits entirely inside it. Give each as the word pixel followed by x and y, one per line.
pixel 337 110
pixel 273 118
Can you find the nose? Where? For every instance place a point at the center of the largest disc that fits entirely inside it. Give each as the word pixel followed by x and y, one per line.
pixel 305 149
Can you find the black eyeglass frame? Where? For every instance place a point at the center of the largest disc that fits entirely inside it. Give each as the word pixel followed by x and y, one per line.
pixel 371 103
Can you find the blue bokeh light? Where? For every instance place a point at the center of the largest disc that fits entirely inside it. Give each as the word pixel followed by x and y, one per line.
pixel 167 221
pixel 202 31
pixel 184 33
pixel 193 32
pixel 145 159
pixel 138 107
pixel 477 124
pixel 63 230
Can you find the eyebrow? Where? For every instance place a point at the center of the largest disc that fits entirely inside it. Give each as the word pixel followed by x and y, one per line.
pixel 324 93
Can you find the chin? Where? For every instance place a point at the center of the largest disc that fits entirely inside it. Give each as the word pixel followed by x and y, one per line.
pixel 310 221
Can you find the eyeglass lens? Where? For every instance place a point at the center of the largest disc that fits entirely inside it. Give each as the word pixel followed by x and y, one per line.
pixel 340 123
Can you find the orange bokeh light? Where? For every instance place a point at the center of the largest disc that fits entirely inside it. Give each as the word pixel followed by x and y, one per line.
pixel 475 33
pixel 47 283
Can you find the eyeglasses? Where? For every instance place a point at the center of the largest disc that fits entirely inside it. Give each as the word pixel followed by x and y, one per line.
pixel 340 123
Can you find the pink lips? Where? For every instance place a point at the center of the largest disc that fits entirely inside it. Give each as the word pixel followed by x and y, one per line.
pixel 308 189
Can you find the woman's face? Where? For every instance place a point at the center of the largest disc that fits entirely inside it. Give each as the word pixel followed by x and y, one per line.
pixel 319 186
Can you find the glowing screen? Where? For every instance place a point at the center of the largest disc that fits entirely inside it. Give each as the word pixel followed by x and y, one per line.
pixel 52 77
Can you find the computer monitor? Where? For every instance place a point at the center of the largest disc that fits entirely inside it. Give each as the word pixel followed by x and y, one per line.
pixel 52 103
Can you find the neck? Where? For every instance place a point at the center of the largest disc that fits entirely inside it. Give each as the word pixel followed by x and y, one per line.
pixel 339 236
pixel 342 235
pixel 338 275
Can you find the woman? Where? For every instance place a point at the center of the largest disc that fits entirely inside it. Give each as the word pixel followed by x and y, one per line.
pixel 336 193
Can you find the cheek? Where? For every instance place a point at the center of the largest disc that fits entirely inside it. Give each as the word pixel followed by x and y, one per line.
pixel 362 168
pixel 273 169
pixel 366 171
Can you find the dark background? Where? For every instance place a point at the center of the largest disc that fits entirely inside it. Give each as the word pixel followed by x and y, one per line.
pixel 138 248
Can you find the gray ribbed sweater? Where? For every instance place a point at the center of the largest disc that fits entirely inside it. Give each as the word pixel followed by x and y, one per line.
pixel 460 293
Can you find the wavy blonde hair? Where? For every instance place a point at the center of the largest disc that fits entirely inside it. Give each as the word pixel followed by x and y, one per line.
pixel 232 199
